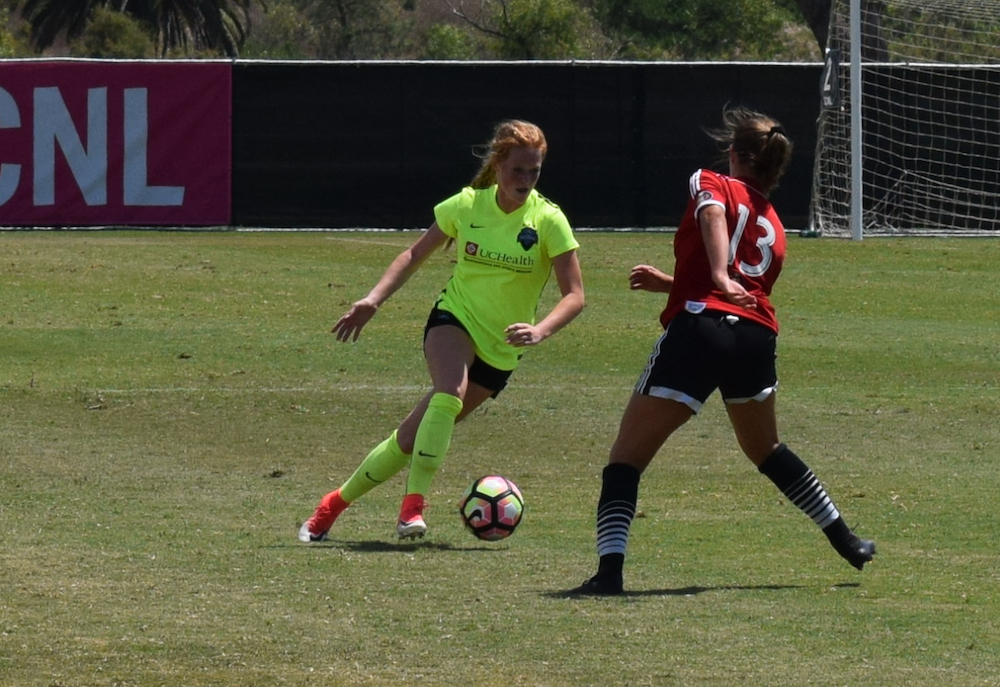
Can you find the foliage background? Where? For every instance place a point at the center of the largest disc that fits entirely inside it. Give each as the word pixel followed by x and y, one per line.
pixel 415 29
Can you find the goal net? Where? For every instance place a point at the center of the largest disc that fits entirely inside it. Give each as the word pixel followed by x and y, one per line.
pixel 929 118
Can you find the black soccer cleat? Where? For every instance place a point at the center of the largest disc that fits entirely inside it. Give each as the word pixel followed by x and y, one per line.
pixel 599 585
pixel 856 551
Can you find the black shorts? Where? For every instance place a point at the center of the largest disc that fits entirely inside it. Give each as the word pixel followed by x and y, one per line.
pixel 698 354
pixel 481 372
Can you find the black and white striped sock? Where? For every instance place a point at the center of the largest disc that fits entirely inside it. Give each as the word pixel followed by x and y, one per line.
pixel 615 512
pixel 800 485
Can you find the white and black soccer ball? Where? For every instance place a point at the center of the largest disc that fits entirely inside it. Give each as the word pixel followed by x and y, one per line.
pixel 491 508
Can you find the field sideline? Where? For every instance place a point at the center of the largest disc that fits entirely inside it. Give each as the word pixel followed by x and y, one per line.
pixel 173 406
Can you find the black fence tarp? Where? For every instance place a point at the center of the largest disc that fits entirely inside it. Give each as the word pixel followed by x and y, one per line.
pixel 376 144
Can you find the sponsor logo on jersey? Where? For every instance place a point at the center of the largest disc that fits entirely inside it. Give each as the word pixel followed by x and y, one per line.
pixel 498 258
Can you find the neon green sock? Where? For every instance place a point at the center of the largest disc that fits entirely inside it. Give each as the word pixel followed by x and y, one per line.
pixel 384 461
pixel 432 441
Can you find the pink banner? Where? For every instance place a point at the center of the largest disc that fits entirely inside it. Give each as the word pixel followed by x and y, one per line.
pixel 99 143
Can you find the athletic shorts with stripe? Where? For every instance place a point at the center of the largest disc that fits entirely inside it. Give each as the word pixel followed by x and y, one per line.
pixel 699 353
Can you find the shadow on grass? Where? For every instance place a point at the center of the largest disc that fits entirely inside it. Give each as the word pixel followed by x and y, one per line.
pixel 693 590
pixel 395 547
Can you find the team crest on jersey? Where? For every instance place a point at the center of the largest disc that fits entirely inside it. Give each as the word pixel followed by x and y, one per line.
pixel 471 248
pixel 527 238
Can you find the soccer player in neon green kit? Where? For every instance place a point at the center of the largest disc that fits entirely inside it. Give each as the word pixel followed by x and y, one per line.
pixel 509 240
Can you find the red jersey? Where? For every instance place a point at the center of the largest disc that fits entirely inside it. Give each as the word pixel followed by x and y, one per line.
pixel 756 249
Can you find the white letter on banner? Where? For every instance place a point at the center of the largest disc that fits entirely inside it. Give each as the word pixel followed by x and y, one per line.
pixel 10 118
pixel 53 123
pixel 136 156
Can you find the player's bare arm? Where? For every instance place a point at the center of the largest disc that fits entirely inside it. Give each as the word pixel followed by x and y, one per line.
pixel 348 327
pixel 567 269
pixel 715 234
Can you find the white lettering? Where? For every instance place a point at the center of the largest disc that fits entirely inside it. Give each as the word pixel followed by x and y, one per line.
pixel 136 191
pixel 54 131
pixel 763 243
pixel 10 174
pixel 89 165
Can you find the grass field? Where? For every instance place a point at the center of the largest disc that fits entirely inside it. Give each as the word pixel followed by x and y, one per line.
pixel 173 407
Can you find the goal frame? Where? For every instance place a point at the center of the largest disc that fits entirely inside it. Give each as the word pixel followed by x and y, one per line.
pixel 926 195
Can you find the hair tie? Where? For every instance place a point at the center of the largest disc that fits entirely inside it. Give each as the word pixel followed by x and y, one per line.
pixel 775 130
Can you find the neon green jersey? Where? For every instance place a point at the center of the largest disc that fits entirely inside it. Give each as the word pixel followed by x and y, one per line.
pixel 503 263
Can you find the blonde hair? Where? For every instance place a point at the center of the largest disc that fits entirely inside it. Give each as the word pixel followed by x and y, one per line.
pixel 508 134
pixel 759 142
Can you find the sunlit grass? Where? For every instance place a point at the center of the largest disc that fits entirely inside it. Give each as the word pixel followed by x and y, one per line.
pixel 172 406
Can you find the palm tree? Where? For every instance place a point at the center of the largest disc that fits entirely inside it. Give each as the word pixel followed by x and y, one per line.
pixel 214 25
pixel 49 18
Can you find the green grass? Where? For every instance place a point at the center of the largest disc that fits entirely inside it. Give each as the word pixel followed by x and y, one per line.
pixel 172 406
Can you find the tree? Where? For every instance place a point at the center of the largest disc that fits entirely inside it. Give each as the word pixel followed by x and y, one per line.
pixel 703 29
pixel 543 29
pixel 217 26
pixel 281 32
pixel 11 43
pixel 448 42
pixel 535 29
pixel 113 35
pixel 359 29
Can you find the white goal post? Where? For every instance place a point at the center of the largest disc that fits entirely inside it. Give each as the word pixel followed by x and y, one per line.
pixel 909 133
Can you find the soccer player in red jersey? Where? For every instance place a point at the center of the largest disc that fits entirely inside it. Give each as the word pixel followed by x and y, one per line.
pixel 720 332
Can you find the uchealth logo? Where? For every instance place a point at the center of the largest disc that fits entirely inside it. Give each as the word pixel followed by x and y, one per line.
pixel 484 255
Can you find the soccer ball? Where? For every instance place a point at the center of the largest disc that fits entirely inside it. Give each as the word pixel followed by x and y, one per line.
pixel 491 508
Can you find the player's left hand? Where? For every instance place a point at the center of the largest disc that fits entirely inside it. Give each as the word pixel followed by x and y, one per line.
pixel 523 334
pixel 737 295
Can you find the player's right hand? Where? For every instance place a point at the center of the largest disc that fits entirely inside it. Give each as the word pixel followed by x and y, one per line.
pixel 348 327
pixel 648 278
